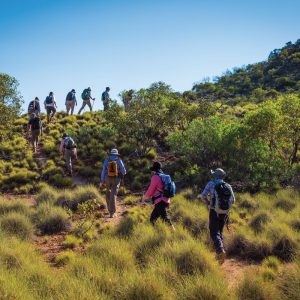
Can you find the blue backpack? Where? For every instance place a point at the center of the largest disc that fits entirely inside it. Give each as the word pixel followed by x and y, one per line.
pixel 168 185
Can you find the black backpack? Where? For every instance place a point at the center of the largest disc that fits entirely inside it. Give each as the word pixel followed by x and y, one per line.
pixel 223 194
pixel 69 143
pixel 36 123
pixel 49 100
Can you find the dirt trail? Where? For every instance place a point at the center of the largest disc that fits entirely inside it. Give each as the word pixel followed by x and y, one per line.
pixel 233 270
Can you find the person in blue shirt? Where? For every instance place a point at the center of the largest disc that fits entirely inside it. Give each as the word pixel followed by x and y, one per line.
pixel 112 173
pixel 217 220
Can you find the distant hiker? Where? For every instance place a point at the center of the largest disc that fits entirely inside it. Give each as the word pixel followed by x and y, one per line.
pixel 86 97
pixel 112 173
pixel 221 200
pixel 127 97
pixel 71 102
pixel 68 149
pixel 34 107
pixel 106 99
pixel 161 189
pixel 50 106
pixel 35 126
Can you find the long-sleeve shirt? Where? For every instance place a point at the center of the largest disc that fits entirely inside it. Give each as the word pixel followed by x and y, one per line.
pixel 210 190
pixel 120 164
pixel 156 188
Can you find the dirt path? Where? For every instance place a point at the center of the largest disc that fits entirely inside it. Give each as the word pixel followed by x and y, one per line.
pixel 233 270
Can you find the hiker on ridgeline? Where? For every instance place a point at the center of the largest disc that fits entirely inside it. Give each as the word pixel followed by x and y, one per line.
pixel 111 176
pixel 34 107
pixel 86 97
pixel 220 203
pixel 50 106
pixel 35 127
pixel 71 102
pixel 106 99
pixel 68 149
pixel 161 189
pixel 126 98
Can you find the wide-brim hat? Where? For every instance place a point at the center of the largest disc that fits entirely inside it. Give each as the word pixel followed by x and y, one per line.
pixel 114 152
pixel 218 173
pixel 156 166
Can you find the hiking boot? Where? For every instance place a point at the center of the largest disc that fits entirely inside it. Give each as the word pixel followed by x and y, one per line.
pixel 111 215
pixel 221 257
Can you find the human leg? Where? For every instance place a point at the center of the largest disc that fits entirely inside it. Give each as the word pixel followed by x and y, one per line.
pixel 214 228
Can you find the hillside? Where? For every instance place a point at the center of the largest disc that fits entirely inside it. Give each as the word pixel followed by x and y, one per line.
pixel 280 73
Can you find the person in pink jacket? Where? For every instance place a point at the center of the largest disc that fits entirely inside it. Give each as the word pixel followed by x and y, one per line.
pixel 155 192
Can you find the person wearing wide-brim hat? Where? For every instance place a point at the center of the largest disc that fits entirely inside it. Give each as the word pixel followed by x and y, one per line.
pixel 112 173
pixel 217 220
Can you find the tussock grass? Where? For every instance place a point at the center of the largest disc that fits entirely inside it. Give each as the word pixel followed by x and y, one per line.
pixel 47 194
pixel 289 283
pixel 17 225
pixel 259 221
pixel 13 206
pixel 51 219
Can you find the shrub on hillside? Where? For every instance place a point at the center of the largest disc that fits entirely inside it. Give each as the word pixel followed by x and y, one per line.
pixel 61 181
pixel 16 224
pixel 47 194
pixel 14 206
pixel 258 222
pixel 64 258
pixel 51 219
pixel 285 204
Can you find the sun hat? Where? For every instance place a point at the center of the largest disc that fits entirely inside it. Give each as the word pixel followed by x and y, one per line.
pixel 114 151
pixel 218 173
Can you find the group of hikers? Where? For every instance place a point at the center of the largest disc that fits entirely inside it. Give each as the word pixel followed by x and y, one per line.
pixel 217 194
pixel 71 101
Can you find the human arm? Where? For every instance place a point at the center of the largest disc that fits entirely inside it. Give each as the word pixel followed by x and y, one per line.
pixel 207 190
pixel 103 172
pixel 61 147
pixel 152 188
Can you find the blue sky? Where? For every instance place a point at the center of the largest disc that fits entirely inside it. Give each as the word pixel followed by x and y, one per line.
pixel 60 45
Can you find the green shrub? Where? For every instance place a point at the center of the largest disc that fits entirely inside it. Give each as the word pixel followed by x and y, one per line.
pixel 61 181
pixel 131 200
pixel 51 219
pixel 271 262
pixel 16 224
pixel 285 204
pixel 65 199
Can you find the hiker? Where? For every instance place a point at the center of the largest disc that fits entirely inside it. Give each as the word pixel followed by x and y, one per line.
pixel 86 97
pixel 113 172
pixel 68 149
pixel 157 191
pixel 71 102
pixel 221 200
pixel 34 107
pixel 106 99
pixel 127 97
pixel 50 106
pixel 35 126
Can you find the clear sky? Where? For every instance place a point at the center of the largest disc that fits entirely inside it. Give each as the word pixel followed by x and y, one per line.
pixel 57 45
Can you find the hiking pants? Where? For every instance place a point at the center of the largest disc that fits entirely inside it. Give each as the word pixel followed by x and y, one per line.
pixel 216 225
pixel 84 103
pixel 70 106
pixel 112 187
pixel 68 155
pixel 35 137
pixel 51 110
pixel 160 211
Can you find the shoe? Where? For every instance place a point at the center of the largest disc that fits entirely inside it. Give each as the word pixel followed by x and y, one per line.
pixel 111 215
pixel 221 257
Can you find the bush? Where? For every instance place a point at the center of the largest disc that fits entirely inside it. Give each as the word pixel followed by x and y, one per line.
pixel 51 219
pixel 72 242
pixel 271 262
pixel 129 200
pixel 13 206
pixel 16 224
pixel 64 258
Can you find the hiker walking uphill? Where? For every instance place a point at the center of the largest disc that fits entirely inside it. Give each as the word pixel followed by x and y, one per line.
pixel 161 189
pixel 221 200
pixel 112 173
pixel 35 126
pixel 68 149
pixel 106 99
pixel 71 102
pixel 50 106
pixel 86 97
pixel 34 107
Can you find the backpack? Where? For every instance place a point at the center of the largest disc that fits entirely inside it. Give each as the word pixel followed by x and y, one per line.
pixel 112 168
pixel 222 198
pixel 69 143
pixel 32 106
pixel 49 100
pixel 36 123
pixel 169 188
pixel 85 94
